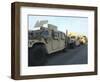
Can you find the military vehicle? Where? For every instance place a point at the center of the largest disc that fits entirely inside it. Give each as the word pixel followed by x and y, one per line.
pixel 73 40
pixel 46 40
pixel 83 39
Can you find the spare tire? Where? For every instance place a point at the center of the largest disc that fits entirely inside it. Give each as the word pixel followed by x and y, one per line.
pixel 37 55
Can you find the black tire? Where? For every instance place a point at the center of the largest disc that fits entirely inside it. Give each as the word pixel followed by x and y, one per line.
pixel 72 45
pixel 37 55
pixel 65 49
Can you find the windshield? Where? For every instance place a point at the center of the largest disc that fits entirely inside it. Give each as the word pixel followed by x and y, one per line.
pixel 33 34
pixel 73 37
pixel 45 34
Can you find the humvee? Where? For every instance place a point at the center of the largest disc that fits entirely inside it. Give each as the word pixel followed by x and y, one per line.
pixel 46 40
pixel 83 39
pixel 73 40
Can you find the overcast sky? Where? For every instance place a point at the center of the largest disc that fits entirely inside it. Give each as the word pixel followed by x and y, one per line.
pixel 72 24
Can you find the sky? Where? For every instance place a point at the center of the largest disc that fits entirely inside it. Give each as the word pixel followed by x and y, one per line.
pixel 72 24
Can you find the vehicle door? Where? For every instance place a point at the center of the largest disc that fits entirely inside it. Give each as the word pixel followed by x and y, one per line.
pixel 55 41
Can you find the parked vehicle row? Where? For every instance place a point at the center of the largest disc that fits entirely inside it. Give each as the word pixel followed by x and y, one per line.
pixel 46 40
pixel 75 39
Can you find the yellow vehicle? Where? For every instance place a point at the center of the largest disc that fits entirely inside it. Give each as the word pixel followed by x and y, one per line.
pixel 46 40
pixel 83 40
pixel 73 40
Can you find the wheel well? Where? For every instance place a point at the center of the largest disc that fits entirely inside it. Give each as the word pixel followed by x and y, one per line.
pixel 38 44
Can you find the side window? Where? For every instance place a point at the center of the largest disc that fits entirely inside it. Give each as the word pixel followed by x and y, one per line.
pixel 59 35
pixel 62 36
pixel 55 35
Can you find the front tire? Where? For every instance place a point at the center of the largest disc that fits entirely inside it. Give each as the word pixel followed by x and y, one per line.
pixel 37 55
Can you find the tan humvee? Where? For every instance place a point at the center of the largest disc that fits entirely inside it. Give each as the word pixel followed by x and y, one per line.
pixel 46 40
pixel 83 39
pixel 73 39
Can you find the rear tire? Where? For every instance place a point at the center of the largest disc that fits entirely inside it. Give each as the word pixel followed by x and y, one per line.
pixel 72 45
pixel 65 49
pixel 37 55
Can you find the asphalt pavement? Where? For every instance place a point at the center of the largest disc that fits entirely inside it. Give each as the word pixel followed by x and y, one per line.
pixel 77 55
